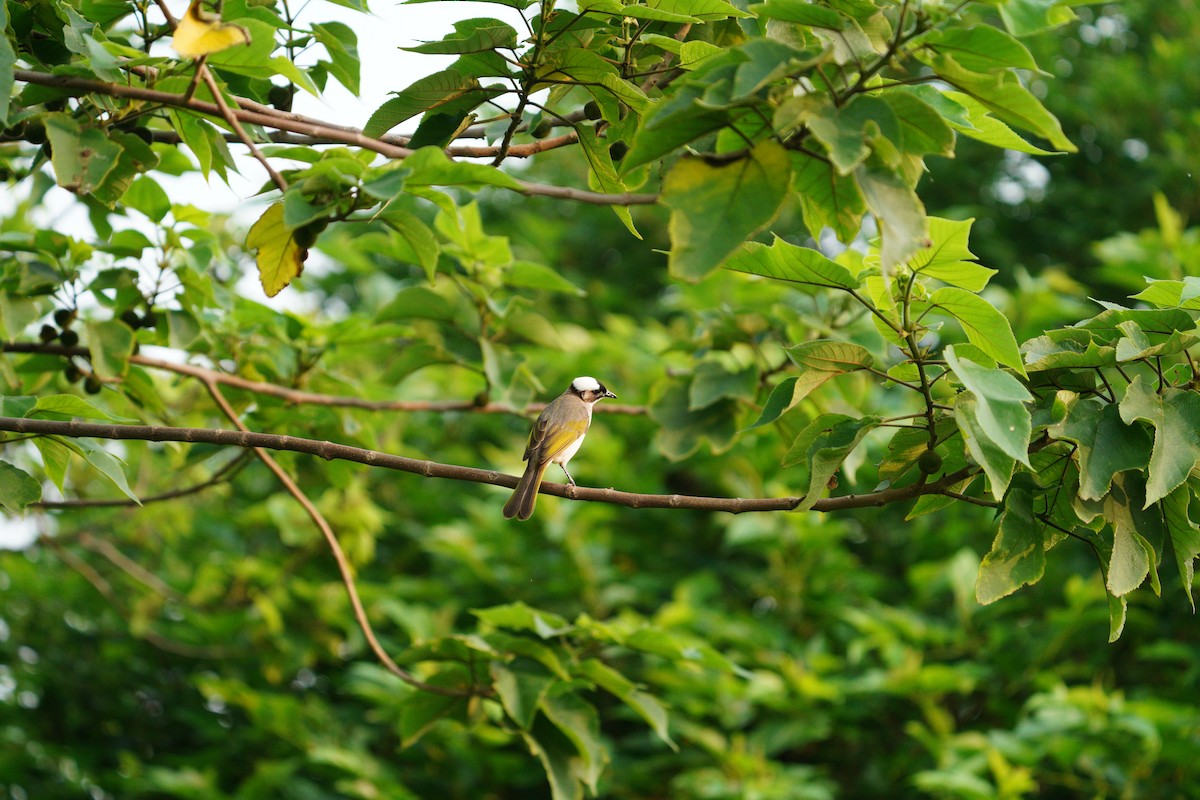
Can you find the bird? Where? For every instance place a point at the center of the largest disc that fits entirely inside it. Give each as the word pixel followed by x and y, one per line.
pixel 555 438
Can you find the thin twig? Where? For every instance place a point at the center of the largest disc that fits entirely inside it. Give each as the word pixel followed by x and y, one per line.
pixel 343 564
pixel 227 113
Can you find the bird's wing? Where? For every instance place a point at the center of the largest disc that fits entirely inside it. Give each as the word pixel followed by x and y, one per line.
pixel 544 444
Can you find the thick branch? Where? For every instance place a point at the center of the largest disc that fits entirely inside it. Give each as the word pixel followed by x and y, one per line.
pixel 271 118
pixel 300 397
pixel 433 469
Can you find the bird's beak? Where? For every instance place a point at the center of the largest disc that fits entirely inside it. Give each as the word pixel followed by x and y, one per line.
pixel 607 393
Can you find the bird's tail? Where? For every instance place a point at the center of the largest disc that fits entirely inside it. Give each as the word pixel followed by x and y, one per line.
pixel 520 505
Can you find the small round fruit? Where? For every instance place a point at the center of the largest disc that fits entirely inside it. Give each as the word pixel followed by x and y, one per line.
pixel 591 110
pixel 72 373
pixel 48 333
pixel 149 319
pixel 92 385
pixel 542 129
pixel 929 462
pixel 617 150
pixel 131 318
pixel 63 317
pixel 68 338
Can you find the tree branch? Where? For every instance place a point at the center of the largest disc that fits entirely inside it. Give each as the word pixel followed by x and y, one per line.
pixel 300 397
pixel 339 555
pixel 272 118
pixel 434 469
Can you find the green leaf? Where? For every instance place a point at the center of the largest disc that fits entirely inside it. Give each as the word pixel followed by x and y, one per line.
pixel 1000 399
pixel 603 175
pixel 645 705
pixel 56 457
pixel 827 199
pixel 712 382
pixel 986 327
pixel 557 757
pixel 578 721
pixel 17 488
pixel 682 430
pixel 69 405
pixel 1131 553
pixel 341 42
pixel 922 131
pixel 531 275
pixel 1136 345
pixel 471 36
pixel 520 5
pixel 822 447
pixel 82 157
pixel 997 465
pixel 681 11
pixel 1172 294
pixel 1004 95
pixel 427 94
pixel 1117 608
pixel 1185 536
pixel 899 212
pixel 1066 348
pixel 430 166
pixel 519 616
pixel 422 710
pixel 801 12
pixel 521 686
pixel 1018 555
pixel 714 209
pixel 948 259
pixel 818 360
pixel 1175 417
pixel 981 48
pixel 1106 445
pixel 110 344
pixel 1025 17
pixel 683 117
pixel 8 59
pixel 422 245
pixel 106 464
pixel 148 197
pixel 784 261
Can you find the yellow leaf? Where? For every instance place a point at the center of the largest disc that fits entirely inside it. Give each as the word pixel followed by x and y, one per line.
pixel 279 259
pixel 200 33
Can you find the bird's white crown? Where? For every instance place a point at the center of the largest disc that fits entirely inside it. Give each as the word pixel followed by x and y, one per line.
pixel 585 383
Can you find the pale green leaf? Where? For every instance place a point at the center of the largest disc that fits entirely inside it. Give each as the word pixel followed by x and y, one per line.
pixel 997 465
pixel 714 209
pixel 1105 445
pixel 110 344
pixel 1175 417
pixel 521 687
pixel 822 447
pixel 985 326
pixel 1000 410
pixel 17 488
pixel 1018 554
pixel 580 723
pixel 784 261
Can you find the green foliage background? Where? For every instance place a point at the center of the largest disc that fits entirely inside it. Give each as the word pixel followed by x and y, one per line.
pixel 637 653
